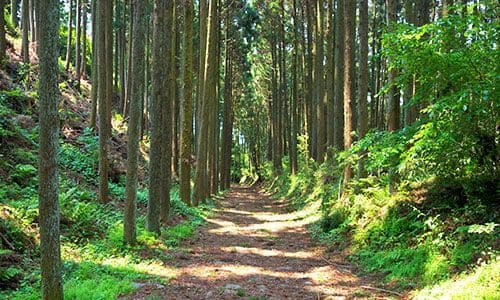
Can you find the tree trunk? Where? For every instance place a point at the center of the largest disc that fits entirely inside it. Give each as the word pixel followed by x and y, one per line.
pixel 201 176
pixel 95 66
pixel 70 34
pixel 227 122
pixel 329 103
pixel 393 116
pixel 32 20
pixel 3 41
pixel 363 78
pixel 77 44
pixel 25 46
pixel 349 78
pixel 83 63
pixel 159 98
pixel 319 101
pixel 338 108
pixel 50 252
pixel 14 9
pixel 187 106
pixel 103 102
pixel 137 92
pixel 167 117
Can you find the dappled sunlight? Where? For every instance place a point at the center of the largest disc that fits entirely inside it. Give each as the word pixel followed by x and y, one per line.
pixel 266 252
pixel 253 245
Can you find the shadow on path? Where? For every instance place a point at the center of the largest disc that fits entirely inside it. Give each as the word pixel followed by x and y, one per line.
pixel 251 248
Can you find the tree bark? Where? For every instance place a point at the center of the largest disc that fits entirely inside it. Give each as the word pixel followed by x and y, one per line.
pixel 363 78
pixel 103 103
pixel 3 41
pixel 201 176
pixel 319 101
pixel 393 117
pixel 77 43
pixel 25 46
pixel 14 9
pixel 338 109
pixel 227 122
pixel 50 252
pixel 70 34
pixel 187 107
pixel 95 66
pixel 137 92
pixel 349 78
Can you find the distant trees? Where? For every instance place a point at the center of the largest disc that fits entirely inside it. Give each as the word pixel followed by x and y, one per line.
pixel 48 194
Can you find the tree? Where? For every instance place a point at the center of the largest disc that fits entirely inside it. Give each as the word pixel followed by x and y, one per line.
pixel 187 106
pixel 25 51
pixel 363 76
pixel 3 41
pixel 207 106
pixel 338 106
pixel 95 66
pixel 103 104
pixel 227 121
pixel 349 78
pixel 160 98
pixel 134 126
pixel 70 33
pixel 50 252
pixel 78 43
pixel 319 78
pixel 393 114
pixel 14 9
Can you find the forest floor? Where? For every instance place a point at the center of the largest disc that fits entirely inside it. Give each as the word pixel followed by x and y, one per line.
pixel 252 247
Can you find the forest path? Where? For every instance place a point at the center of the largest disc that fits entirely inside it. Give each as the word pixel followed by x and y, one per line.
pixel 252 248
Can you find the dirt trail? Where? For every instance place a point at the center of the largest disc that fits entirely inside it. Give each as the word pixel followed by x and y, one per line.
pixel 252 248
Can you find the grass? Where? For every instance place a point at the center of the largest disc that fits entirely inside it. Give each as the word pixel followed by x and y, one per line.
pixel 411 243
pixel 96 263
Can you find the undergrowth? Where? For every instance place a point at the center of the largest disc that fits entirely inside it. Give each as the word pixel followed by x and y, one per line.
pixel 96 264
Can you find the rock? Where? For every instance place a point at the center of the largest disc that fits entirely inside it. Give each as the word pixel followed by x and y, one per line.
pixel 209 295
pixel 138 285
pixel 308 283
pixel 159 286
pixel 262 288
pixel 232 286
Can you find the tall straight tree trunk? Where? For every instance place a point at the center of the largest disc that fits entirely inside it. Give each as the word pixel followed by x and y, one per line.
pixel 313 49
pixel 338 108
pixel 3 41
pixel 187 106
pixel 14 9
pixel 329 102
pixel 363 77
pixel 25 47
pixel 201 175
pixel 393 114
pixel 109 63
pixel 48 201
pixel 227 122
pixel 32 20
pixel 159 98
pixel 129 63
pixel 295 96
pixel 103 103
pixel 349 78
pixel 78 20
pixel 95 66
pixel 203 17
pixel 319 101
pixel 137 92
pixel 167 116
pixel 122 57
pixel 83 62
pixel 70 34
